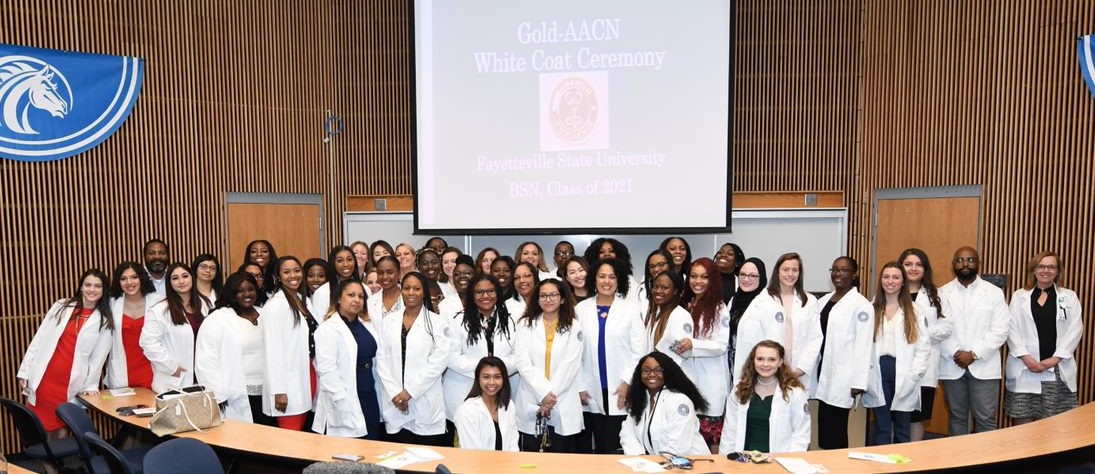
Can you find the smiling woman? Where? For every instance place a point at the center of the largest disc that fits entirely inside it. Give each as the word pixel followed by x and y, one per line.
pixel 289 326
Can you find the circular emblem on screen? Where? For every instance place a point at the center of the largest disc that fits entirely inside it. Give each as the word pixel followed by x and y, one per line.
pixel 779 317
pixel 574 109
pixel 683 409
pixel 862 316
pixel 687 328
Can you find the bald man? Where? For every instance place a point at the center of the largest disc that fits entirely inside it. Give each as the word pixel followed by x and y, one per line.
pixel 969 364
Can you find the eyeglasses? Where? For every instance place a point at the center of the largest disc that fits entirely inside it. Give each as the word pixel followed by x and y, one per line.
pixel 748 276
pixel 484 292
pixel 1046 267
pixel 654 371
pixel 961 260
pixel 211 268
pixel 659 265
pixel 549 296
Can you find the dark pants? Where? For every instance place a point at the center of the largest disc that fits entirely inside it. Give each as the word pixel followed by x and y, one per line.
pixel 559 444
pixel 605 429
pixel 405 436
pixel 890 426
pixel 257 416
pixel 832 426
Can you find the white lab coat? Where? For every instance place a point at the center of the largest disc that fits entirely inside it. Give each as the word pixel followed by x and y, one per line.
pixel 287 358
pixel 788 425
pixel 909 368
pixel 706 362
pixel 168 346
pixel 848 348
pixel 320 301
pixel 678 327
pixel 375 306
pixel 448 291
pixel 428 352
pixel 476 428
pixel 460 376
pixel 763 319
pixel 218 362
pixel 980 318
pixel 448 308
pixel 673 427
pixel 625 339
pixel 566 362
pixel 516 306
pixel 92 347
pixel 338 409
pixel 938 329
pixel 117 372
pixel 1023 340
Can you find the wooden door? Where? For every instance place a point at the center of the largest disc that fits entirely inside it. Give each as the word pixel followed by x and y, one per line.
pixel 938 226
pixel 293 229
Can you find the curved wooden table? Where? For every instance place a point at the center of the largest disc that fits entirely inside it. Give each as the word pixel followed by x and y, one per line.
pixel 1068 437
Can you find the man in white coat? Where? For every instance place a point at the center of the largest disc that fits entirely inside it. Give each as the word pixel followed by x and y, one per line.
pixel 969 363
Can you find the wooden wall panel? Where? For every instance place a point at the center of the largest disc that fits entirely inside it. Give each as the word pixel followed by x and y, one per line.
pixel 842 95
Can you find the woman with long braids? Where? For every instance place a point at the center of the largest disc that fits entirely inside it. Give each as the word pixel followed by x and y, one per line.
pixel 670 423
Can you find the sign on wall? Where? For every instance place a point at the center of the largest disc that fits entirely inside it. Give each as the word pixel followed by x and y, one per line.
pixel 56 104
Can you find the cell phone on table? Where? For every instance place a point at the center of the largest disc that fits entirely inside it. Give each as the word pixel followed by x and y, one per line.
pixel 677 462
pixel 347 457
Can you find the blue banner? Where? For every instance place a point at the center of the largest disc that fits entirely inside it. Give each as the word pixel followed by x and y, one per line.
pixel 56 104
pixel 1085 49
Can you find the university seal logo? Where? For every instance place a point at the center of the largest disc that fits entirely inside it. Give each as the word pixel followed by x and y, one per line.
pixel 573 110
pixel 56 104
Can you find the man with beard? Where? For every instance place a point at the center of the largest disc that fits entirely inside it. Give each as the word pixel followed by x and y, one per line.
pixel 969 365
pixel 155 262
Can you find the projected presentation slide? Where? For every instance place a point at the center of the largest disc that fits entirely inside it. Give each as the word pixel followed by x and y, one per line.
pixel 568 115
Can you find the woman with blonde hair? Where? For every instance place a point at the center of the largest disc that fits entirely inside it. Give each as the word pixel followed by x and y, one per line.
pixel 1046 325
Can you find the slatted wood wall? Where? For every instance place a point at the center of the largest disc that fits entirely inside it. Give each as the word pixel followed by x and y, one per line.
pixel 849 95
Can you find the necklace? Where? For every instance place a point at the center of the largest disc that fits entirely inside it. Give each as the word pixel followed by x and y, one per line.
pixel 768 384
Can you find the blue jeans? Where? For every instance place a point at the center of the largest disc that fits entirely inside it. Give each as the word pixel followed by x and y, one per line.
pixel 890 426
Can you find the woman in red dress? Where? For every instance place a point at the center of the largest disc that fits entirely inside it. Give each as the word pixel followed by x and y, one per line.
pixel 67 353
pixel 132 294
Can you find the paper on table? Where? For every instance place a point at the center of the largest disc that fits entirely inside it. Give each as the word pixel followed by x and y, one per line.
pixel 798 466
pixel 413 455
pixel 424 453
pixel 641 465
pixel 122 392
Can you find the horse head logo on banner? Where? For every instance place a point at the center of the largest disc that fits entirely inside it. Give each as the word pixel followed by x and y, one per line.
pixel 39 91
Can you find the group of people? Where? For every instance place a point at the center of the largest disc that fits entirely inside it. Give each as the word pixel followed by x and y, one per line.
pixel 690 356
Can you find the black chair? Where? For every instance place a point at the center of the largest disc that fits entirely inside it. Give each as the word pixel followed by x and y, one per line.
pixel 32 435
pixel 442 469
pixel 182 456
pixel 109 457
pixel 80 424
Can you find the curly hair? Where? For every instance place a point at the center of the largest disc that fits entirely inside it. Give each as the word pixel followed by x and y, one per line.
pixel 593 252
pixel 705 308
pixel 623 283
pixel 674 379
pixel 787 379
pixel 146 281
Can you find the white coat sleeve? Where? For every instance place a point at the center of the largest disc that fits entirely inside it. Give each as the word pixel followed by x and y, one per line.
pixel 800 421
pixel 207 354
pixel 814 338
pixel 461 361
pixel 997 333
pixel 729 440
pixel 921 355
pixel 98 358
pixel 275 325
pixel 681 426
pixel 1073 312
pixel 749 334
pixel 1017 346
pixel 950 345
pixel 386 364
pixel 862 347
pixel 436 362
pixel 328 379
pixel 530 373
pixel 155 331
pixel 719 339
pixel 30 358
pixel 637 343
pixel 629 438
pixel 467 424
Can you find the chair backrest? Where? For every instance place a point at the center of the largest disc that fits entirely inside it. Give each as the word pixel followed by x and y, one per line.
pixel 442 469
pixel 110 454
pixel 182 456
pixel 346 467
pixel 77 421
pixel 31 431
